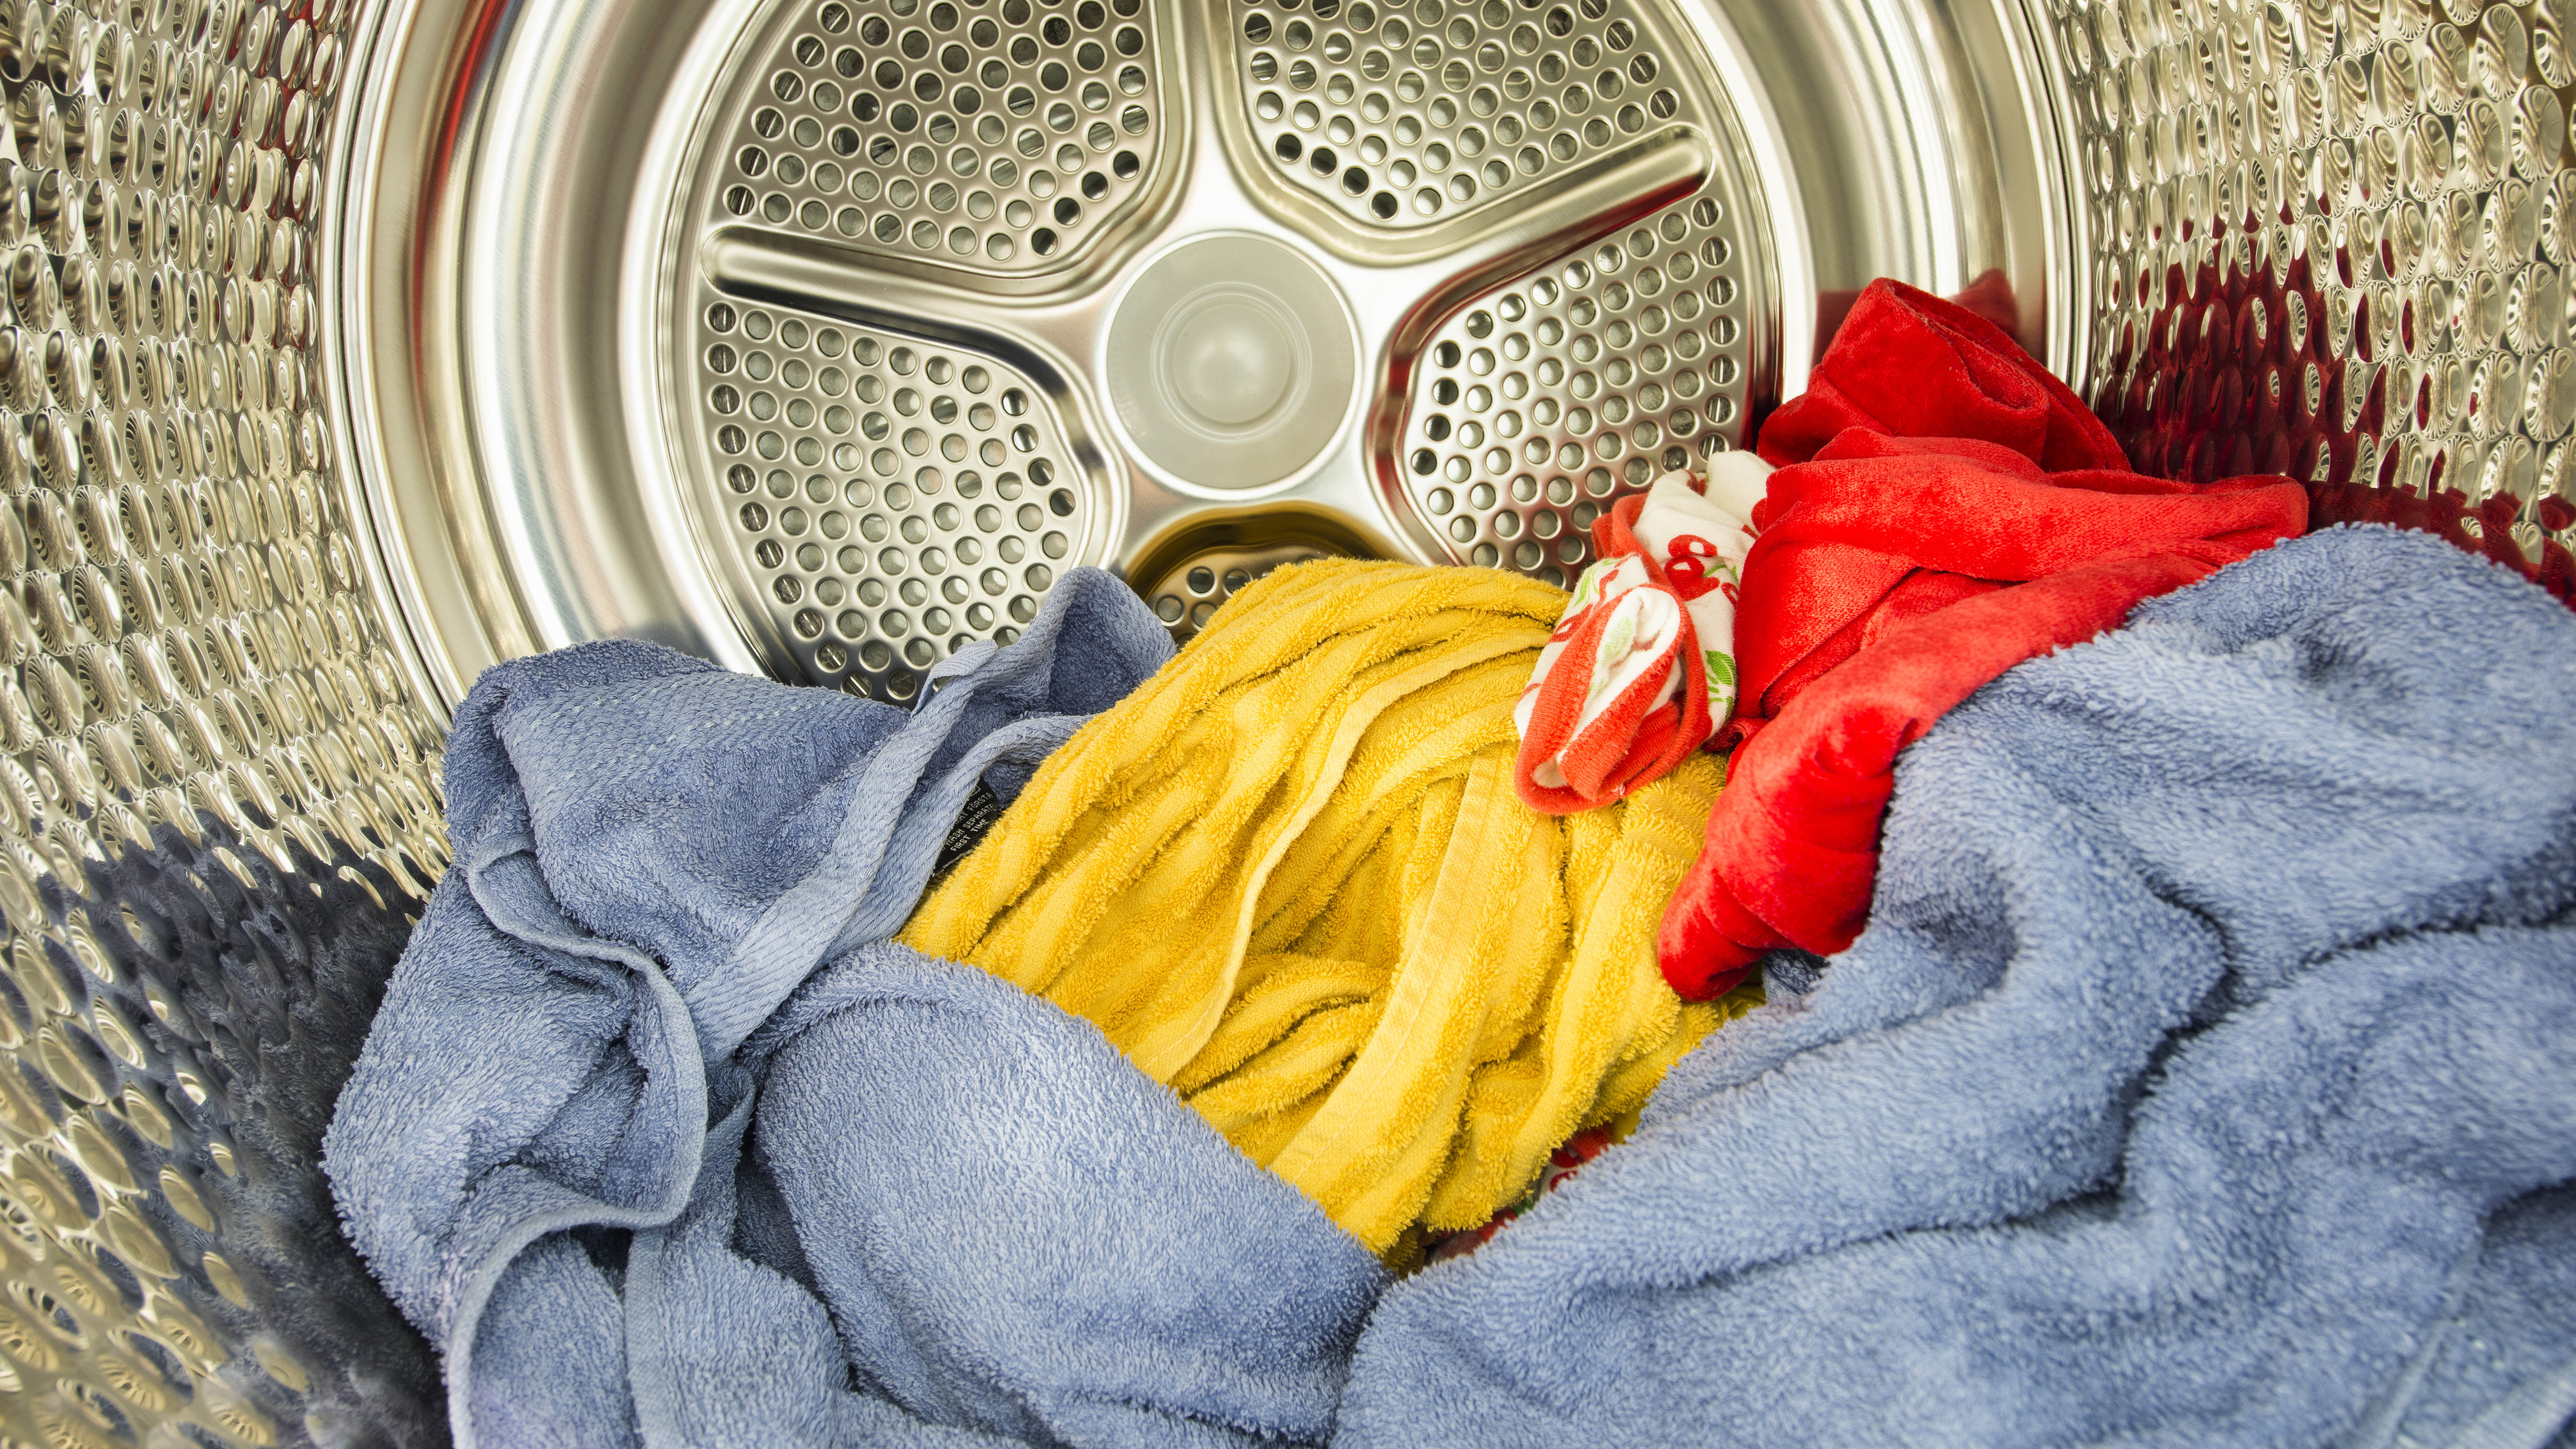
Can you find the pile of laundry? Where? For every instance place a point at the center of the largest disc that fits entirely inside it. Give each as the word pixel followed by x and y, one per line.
pixel 1937 938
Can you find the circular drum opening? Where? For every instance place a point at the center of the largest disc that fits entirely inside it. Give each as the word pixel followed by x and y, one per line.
pixel 831 352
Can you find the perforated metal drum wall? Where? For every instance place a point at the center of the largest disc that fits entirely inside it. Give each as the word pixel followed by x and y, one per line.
pixel 189 649
pixel 2334 241
pixel 1555 198
pixel 1542 403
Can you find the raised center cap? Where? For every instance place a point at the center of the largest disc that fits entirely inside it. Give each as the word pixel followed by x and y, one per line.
pixel 1232 361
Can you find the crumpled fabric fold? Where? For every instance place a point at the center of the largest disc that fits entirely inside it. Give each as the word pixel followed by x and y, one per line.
pixel 1290 877
pixel 625 1218
pixel 2206 1075
pixel 1945 510
pixel 1911 365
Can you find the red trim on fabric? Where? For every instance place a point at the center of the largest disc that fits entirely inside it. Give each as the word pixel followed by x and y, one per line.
pixel 1630 743
pixel 1554 717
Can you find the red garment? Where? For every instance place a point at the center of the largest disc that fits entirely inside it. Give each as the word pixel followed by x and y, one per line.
pixel 1948 511
pixel 1910 365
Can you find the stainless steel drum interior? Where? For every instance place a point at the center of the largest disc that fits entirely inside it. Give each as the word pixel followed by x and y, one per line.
pixel 351 347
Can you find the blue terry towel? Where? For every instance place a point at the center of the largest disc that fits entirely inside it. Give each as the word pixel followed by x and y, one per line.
pixel 624 1222
pixel 2201 1078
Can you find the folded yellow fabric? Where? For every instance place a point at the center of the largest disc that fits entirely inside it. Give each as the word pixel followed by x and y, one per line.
pixel 1289 877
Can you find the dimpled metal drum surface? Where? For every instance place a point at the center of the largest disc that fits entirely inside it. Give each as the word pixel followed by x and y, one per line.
pixel 190 650
pixel 2334 242
pixel 349 348
pixel 1541 403
pixel 916 130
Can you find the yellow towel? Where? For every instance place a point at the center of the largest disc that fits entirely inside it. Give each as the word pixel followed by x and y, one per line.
pixel 1289 877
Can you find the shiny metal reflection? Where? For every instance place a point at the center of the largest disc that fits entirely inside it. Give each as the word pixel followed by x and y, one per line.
pixel 193 648
pixel 985 179
pixel 349 347
pixel 2332 241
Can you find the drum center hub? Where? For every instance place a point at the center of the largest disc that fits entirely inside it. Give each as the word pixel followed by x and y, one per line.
pixel 1232 361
